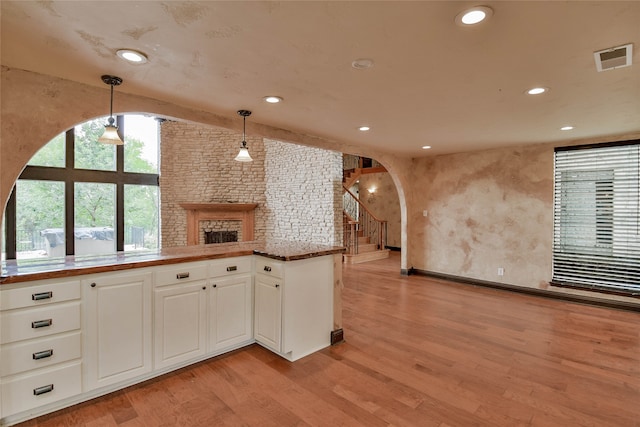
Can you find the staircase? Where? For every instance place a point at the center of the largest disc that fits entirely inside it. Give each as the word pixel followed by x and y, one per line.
pixel 367 251
pixel 364 238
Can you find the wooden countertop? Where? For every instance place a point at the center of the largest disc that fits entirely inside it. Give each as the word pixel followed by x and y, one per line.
pixel 15 271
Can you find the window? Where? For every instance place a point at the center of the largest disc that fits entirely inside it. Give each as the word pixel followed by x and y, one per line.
pixel 596 221
pixel 79 197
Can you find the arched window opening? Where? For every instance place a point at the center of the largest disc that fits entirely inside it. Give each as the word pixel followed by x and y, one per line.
pixel 79 197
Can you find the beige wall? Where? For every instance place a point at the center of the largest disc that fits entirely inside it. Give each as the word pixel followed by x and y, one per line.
pixel 384 203
pixel 485 210
pixel 487 205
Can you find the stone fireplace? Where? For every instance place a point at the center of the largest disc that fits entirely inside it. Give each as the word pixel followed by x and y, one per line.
pixel 201 216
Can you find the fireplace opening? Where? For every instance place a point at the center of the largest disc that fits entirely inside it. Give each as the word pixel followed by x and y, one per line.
pixel 220 236
pixel 203 217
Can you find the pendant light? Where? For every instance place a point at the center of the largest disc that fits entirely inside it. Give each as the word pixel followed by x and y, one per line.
pixel 243 155
pixel 110 135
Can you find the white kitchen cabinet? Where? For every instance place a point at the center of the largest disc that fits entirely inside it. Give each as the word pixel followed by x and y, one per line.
pixel 230 312
pixel 40 351
pixel 33 389
pixel 268 312
pixel 230 303
pixel 65 341
pixel 118 327
pixel 294 305
pixel 180 314
pixel 196 314
pixel 180 323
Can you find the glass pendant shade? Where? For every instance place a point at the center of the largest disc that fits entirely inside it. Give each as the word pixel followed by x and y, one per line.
pixel 243 155
pixel 110 135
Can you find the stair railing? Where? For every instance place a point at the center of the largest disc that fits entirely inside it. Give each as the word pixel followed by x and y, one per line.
pixel 366 224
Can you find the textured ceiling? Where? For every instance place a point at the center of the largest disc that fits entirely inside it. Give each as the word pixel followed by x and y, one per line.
pixel 433 82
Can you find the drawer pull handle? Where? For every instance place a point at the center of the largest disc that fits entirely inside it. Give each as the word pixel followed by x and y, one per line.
pixel 42 390
pixel 277 286
pixel 42 354
pixel 41 323
pixel 182 275
pixel 41 296
pixel 215 286
pixel 232 268
pixel 267 268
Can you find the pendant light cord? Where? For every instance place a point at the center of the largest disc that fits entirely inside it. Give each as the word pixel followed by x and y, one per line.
pixel 111 120
pixel 244 130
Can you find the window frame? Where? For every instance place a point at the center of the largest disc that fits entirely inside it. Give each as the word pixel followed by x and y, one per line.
pixel 70 175
pixel 611 183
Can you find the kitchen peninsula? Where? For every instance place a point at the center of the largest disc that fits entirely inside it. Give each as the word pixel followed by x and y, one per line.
pixel 75 328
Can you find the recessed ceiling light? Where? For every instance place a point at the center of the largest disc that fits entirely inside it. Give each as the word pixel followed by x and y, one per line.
pixel 362 63
pixel 273 99
pixel 537 90
pixel 364 128
pixel 132 56
pixel 566 128
pixel 426 147
pixel 473 16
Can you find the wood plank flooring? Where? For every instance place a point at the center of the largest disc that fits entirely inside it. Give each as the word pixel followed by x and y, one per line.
pixel 418 352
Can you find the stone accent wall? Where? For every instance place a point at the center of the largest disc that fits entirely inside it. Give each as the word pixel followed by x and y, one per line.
pixel 298 189
pixel 304 193
pixel 197 166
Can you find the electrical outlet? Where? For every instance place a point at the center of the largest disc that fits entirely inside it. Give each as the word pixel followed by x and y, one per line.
pixel 500 271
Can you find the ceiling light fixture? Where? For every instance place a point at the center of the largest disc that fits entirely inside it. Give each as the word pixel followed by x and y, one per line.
pixel 537 90
pixel 273 99
pixel 474 15
pixel 364 128
pixel 426 147
pixel 132 56
pixel 110 135
pixel 243 155
pixel 566 128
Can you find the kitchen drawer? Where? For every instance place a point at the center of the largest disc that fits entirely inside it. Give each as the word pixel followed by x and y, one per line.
pixel 36 295
pixel 180 273
pixel 24 324
pixel 269 267
pixel 227 266
pixel 40 352
pixel 23 392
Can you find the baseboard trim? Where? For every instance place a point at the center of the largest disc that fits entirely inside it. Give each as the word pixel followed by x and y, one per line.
pixel 544 293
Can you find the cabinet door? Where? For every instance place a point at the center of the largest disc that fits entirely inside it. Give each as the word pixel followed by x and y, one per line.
pixel 231 303
pixel 180 323
pixel 268 311
pixel 117 317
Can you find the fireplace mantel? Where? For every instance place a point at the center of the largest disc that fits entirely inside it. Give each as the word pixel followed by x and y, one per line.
pixel 197 212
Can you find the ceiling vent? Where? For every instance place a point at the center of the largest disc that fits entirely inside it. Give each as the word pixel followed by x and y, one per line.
pixel 614 57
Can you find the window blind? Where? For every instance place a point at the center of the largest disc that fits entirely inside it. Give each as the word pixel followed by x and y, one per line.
pixel 596 238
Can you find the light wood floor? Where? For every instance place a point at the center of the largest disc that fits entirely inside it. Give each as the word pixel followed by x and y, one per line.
pixel 418 352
